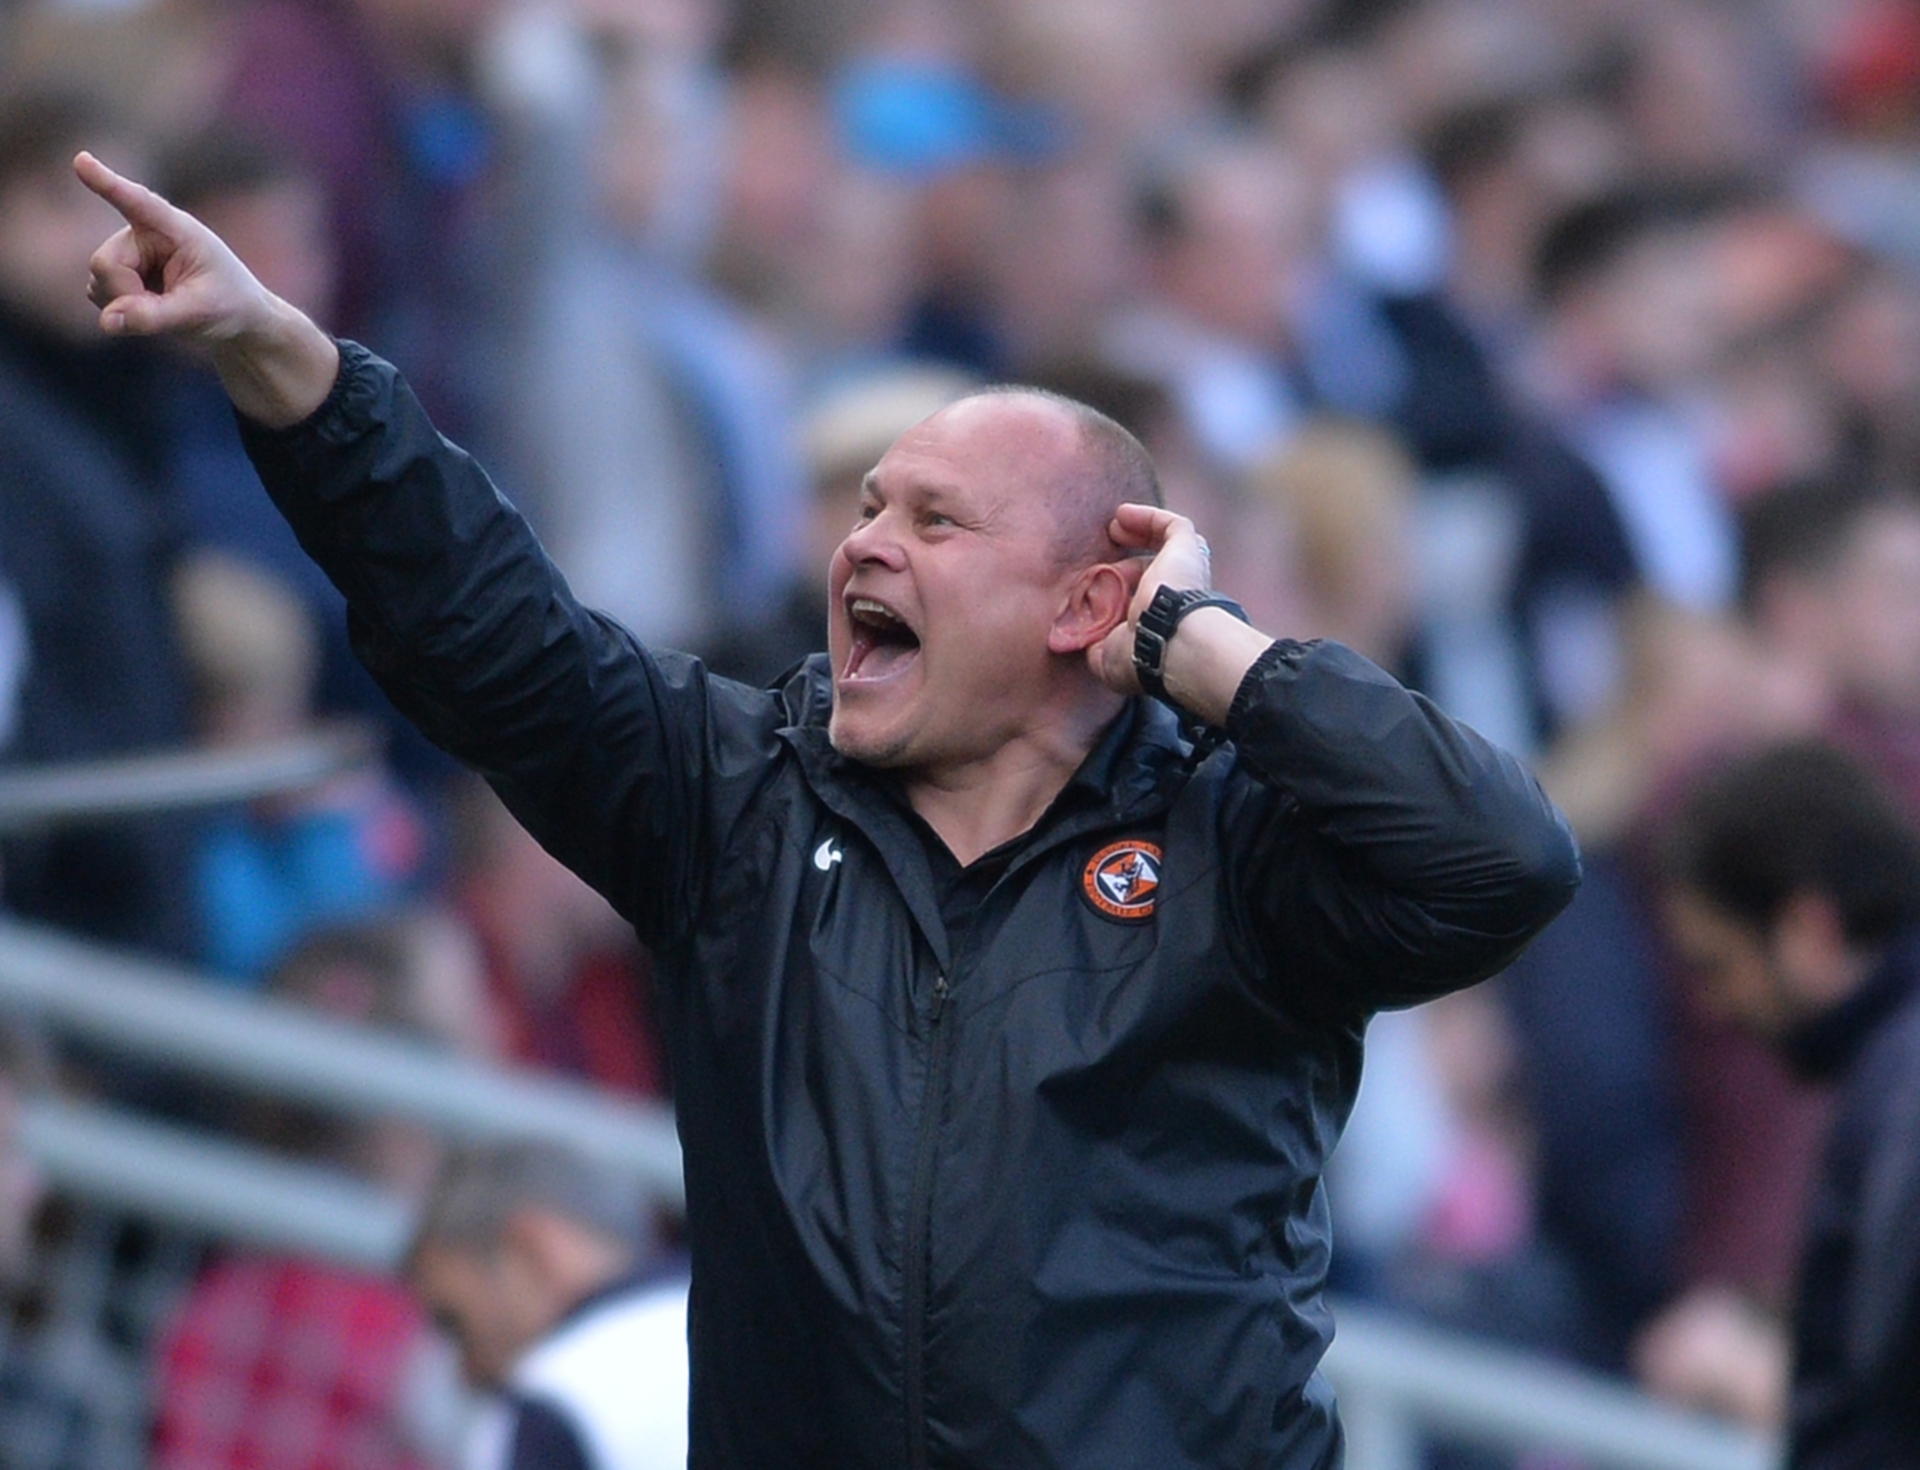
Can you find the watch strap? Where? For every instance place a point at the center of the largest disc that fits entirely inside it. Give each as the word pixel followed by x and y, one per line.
pixel 1155 629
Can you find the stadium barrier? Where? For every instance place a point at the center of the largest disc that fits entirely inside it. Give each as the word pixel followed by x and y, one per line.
pixel 33 797
pixel 1401 1382
pixel 162 1014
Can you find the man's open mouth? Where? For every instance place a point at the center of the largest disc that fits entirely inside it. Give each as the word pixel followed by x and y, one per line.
pixel 882 643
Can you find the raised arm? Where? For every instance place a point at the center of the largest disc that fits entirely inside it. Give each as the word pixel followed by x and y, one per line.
pixel 1396 854
pixel 166 274
pixel 1410 856
pixel 604 750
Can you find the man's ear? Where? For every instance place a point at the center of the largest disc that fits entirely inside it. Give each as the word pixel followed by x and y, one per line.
pixel 1096 603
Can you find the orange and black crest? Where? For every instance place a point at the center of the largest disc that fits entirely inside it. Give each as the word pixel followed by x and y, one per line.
pixel 1122 880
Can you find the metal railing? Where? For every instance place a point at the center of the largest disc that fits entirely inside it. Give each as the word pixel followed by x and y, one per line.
pixel 1400 1382
pixel 35 797
pixel 144 1009
pixel 210 1186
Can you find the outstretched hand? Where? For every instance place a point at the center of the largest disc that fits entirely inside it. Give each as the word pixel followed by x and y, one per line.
pixel 1175 555
pixel 165 273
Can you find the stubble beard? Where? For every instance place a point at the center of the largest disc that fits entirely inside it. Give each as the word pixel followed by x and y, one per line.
pixel 882 752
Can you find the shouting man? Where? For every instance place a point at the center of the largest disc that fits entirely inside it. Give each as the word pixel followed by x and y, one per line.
pixel 1012 1022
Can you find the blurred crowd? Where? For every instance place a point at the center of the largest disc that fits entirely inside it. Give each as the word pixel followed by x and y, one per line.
pixel 1563 356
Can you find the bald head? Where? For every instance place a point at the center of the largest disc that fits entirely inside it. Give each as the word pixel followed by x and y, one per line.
pixel 980 568
pixel 1101 467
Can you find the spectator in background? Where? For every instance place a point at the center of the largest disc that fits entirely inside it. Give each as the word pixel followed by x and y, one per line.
pixel 533 1262
pixel 303 1364
pixel 24 1070
pixel 87 540
pixel 1830 591
pixel 14 655
pixel 276 209
pixel 266 874
pixel 1632 313
pixel 1830 581
pixel 1770 418
pixel 1792 887
pixel 1230 241
pixel 649 418
pixel 384 102
pixel 1866 344
pixel 567 985
pixel 1692 81
pixel 910 101
pixel 497 178
pixel 1673 1145
pixel 1347 491
pixel 1506 167
pixel 275 206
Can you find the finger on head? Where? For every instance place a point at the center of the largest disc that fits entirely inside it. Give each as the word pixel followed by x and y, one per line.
pixel 1142 525
pixel 1130 528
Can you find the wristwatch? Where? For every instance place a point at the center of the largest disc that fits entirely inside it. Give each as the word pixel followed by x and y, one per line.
pixel 1155 630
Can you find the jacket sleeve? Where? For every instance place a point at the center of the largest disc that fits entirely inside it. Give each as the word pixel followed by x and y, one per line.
pixel 611 756
pixel 1384 854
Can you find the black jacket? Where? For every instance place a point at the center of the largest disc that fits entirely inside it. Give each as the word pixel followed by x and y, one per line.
pixel 1856 1375
pixel 1046 1196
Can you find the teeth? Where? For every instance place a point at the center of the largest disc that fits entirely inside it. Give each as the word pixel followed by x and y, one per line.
pixel 871 611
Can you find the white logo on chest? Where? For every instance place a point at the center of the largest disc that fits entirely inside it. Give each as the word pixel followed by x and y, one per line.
pixel 827 854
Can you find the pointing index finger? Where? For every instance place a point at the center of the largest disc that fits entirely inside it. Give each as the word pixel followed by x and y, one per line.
pixel 137 204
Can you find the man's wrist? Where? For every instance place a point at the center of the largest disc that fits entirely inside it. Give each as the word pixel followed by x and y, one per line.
pixel 1201 677
pixel 1209 661
pixel 1154 630
pixel 281 369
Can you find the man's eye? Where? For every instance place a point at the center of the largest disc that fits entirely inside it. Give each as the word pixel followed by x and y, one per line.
pixel 935 518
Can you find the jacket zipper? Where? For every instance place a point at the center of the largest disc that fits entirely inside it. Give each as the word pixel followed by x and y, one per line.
pixel 919 1225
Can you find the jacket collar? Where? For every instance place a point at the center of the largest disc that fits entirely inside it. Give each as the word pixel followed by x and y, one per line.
pixel 1130 776
pixel 1824 1046
pixel 1125 775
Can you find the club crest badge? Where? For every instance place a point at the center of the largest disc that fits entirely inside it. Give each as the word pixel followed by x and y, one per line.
pixel 1122 880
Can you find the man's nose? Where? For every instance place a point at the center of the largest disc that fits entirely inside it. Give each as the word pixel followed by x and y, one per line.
pixel 874 539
